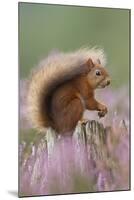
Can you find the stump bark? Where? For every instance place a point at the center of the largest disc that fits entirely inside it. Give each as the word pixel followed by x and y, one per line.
pixel 92 134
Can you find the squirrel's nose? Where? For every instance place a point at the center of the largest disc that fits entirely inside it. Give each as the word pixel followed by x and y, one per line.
pixel 108 82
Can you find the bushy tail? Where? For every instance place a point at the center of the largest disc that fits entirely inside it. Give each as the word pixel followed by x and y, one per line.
pixel 50 74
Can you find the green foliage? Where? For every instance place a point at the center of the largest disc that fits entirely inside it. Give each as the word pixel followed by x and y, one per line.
pixel 43 28
pixel 30 136
pixel 24 137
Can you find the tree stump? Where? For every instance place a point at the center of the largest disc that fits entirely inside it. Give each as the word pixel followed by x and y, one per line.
pixel 85 162
pixel 92 134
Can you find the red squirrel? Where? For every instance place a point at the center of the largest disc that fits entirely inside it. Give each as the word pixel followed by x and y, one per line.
pixel 63 87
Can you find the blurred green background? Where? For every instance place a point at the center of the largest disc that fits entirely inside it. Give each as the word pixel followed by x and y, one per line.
pixel 43 28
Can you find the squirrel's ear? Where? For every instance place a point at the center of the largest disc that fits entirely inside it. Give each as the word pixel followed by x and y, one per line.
pixel 86 67
pixel 90 63
pixel 98 60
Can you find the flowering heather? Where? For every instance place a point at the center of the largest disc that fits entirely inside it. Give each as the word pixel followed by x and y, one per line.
pixel 95 159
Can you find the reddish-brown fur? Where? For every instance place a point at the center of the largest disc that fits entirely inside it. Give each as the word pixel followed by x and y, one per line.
pixel 59 95
pixel 69 102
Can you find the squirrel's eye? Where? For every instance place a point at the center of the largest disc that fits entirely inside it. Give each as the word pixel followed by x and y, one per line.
pixel 98 73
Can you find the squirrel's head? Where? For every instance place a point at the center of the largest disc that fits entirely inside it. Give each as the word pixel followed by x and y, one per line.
pixel 98 77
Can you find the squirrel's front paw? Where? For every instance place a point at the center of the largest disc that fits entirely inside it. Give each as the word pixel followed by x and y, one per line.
pixel 102 110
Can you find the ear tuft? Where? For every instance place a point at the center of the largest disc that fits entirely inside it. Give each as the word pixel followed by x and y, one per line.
pixel 90 63
pixel 98 60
